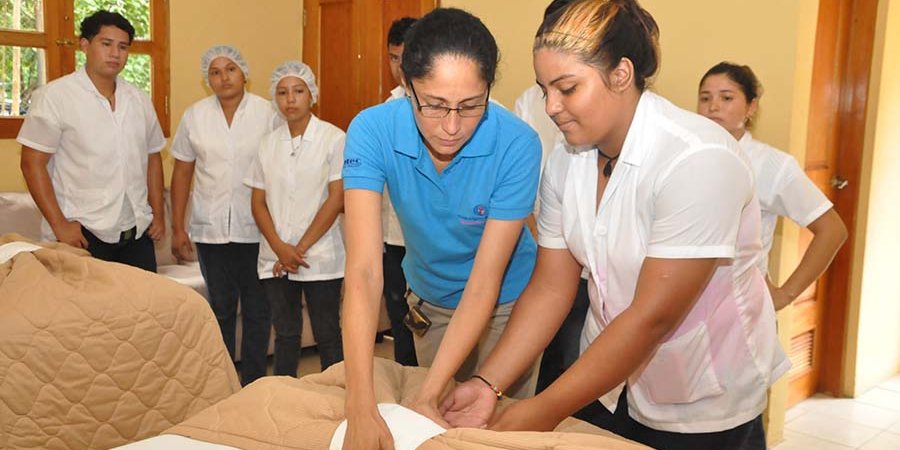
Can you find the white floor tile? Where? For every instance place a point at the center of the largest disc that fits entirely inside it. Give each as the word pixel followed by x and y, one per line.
pixel 884 441
pixel 800 441
pixel 892 385
pixel 883 398
pixel 831 428
pixel 894 428
pixel 856 412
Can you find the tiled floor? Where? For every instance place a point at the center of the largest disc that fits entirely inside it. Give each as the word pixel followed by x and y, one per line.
pixel 869 422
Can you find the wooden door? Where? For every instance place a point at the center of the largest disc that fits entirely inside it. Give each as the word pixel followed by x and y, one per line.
pixel 843 56
pixel 345 43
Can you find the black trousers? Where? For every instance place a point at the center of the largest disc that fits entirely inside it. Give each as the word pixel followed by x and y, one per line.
pixel 395 301
pixel 133 250
pixel 563 350
pixel 324 301
pixel 748 436
pixel 231 277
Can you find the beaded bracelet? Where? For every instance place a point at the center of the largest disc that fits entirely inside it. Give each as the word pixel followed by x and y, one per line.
pixel 493 387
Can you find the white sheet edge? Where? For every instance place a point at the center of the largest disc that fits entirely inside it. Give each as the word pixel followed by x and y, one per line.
pixel 409 428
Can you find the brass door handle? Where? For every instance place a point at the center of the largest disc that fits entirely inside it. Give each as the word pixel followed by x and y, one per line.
pixel 65 42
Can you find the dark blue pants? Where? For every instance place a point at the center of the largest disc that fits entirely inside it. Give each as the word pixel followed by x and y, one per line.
pixel 395 300
pixel 562 351
pixel 230 274
pixel 748 436
pixel 323 298
pixel 136 251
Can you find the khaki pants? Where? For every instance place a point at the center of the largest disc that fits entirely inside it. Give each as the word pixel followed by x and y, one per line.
pixel 427 346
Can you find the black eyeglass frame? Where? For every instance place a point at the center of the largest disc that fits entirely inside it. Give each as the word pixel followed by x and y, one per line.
pixel 461 111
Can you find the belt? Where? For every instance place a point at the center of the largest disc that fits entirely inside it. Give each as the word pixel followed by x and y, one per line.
pixel 128 234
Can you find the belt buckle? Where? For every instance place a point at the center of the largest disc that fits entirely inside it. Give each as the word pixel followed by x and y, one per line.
pixel 128 234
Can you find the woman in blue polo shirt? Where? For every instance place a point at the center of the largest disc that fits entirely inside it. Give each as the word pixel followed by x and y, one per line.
pixel 463 175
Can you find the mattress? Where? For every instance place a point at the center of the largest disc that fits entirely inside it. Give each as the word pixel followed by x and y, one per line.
pixel 96 354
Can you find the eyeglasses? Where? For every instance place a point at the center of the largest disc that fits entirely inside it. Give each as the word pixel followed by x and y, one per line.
pixel 439 112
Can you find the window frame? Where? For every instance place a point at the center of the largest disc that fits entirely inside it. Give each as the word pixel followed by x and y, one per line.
pixel 60 42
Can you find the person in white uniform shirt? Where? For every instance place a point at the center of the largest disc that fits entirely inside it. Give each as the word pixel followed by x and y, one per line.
pixel 297 196
pixel 216 141
pixel 563 349
pixel 659 204
pixel 729 95
pixel 394 245
pixel 90 153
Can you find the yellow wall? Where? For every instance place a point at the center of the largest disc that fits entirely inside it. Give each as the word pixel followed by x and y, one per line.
pixel 266 35
pixel 875 298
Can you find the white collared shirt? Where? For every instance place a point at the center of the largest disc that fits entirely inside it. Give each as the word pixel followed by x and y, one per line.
pixel 220 201
pixel 295 174
pixel 681 189
pixel 783 190
pixel 390 225
pixel 99 156
pixel 530 108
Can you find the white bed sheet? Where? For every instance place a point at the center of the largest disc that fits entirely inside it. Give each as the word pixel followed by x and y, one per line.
pixel 173 442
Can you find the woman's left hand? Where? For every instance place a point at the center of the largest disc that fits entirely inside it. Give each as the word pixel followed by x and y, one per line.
pixel 524 415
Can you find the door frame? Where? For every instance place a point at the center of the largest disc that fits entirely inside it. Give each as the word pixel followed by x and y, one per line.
pixel 845 36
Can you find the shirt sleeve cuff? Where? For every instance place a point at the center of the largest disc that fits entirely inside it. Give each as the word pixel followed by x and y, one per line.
pixel 35 145
pixel 554 242
pixel 254 184
pixel 181 157
pixel 369 184
pixel 509 214
pixel 815 214
pixel 691 252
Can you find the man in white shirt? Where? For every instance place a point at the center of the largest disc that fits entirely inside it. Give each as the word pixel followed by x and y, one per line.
pixel 90 153
pixel 394 245
pixel 217 140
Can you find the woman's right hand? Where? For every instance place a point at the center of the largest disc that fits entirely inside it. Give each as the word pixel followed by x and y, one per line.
pixel 289 257
pixel 368 432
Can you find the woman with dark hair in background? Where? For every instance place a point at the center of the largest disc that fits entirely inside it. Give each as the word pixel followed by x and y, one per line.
pixel 463 175
pixel 659 204
pixel 729 95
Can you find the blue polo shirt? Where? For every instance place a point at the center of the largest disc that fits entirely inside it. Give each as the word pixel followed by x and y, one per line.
pixel 494 176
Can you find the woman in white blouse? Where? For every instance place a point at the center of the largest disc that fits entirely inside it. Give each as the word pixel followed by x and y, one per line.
pixel 216 140
pixel 297 197
pixel 729 95
pixel 658 204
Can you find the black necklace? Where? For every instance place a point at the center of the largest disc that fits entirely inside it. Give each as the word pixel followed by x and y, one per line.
pixel 607 169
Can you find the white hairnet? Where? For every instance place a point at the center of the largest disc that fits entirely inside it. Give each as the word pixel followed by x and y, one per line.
pixel 223 51
pixel 295 69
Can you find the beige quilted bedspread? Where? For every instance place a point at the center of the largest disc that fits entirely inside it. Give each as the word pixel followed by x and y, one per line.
pixel 96 354
pixel 277 413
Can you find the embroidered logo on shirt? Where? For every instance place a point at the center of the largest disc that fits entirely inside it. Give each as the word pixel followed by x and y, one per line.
pixel 352 162
pixel 480 216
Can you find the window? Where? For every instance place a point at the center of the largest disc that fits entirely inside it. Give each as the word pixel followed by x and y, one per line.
pixel 39 43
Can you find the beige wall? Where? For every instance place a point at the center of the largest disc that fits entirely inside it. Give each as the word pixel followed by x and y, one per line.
pixel 875 292
pixel 266 35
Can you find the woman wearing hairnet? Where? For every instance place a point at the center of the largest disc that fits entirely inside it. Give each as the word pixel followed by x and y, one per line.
pixel 297 196
pixel 215 142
